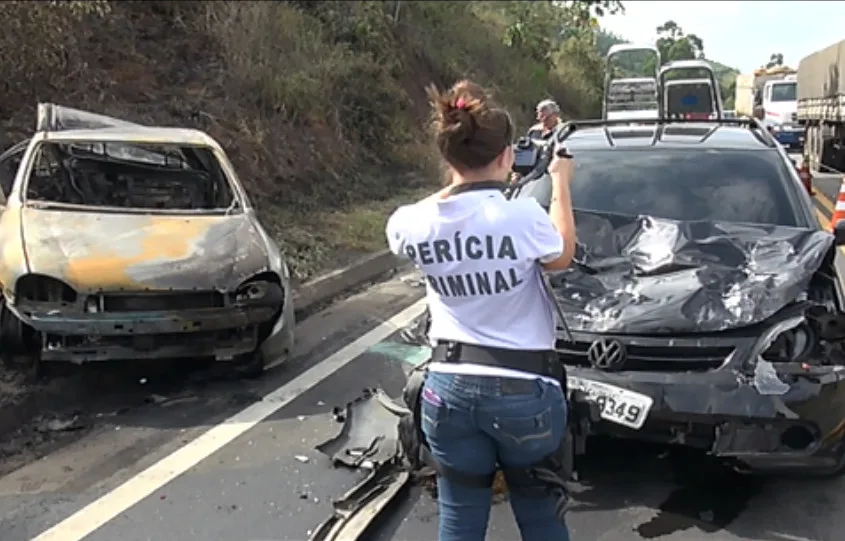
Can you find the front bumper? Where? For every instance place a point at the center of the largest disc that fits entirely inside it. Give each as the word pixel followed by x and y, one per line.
pixel 722 412
pixel 220 332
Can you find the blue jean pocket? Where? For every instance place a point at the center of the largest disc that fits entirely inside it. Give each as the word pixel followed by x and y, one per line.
pixel 532 430
pixel 532 426
pixel 434 411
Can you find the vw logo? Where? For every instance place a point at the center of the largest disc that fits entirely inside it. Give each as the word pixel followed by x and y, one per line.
pixel 607 354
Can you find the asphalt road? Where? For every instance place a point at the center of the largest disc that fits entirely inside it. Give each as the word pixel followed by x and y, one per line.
pixel 237 461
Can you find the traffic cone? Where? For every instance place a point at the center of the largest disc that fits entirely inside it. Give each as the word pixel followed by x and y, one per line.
pixel 839 209
pixel 806 177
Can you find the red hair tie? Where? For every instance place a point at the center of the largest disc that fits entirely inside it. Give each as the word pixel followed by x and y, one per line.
pixel 461 103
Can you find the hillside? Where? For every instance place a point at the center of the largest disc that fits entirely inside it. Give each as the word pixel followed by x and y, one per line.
pixel 725 74
pixel 320 105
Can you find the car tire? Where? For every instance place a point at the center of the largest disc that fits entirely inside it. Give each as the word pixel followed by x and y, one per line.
pixel 249 365
pixel 839 469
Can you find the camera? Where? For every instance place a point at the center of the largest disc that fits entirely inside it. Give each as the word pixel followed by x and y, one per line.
pixel 528 154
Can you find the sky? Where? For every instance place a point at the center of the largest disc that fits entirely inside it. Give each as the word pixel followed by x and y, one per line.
pixel 739 34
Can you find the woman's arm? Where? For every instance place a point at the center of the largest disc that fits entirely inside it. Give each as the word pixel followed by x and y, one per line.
pixel 560 211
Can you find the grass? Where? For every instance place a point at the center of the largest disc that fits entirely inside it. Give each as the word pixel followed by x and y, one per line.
pixel 320 105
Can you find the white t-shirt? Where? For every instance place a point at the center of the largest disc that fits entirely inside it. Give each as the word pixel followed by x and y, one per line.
pixel 478 252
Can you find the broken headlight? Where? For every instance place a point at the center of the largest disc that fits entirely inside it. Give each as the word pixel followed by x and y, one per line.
pixel 792 344
pixel 251 291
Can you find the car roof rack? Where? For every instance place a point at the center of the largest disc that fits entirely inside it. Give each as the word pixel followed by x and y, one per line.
pixel 755 126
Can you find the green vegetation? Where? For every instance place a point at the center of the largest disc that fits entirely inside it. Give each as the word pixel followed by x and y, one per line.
pixel 674 44
pixel 320 104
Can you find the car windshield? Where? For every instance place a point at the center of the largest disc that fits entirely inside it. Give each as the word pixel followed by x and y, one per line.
pixel 141 177
pixel 784 91
pixel 679 184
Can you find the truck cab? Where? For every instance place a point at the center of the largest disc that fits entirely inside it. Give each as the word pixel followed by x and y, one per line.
pixel 779 102
pixel 630 95
pixel 690 99
pixel 690 90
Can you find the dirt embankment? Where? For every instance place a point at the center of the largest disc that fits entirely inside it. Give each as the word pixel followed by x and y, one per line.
pixel 320 104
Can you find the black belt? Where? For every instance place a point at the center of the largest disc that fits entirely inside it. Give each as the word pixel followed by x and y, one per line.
pixel 540 362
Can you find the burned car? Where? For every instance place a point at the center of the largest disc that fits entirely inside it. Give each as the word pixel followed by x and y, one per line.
pixel 705 304
pixel 122 241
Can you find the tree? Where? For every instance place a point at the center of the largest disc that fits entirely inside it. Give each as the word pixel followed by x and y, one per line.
pixel 674 44
pixel 775 60
pixel 540 28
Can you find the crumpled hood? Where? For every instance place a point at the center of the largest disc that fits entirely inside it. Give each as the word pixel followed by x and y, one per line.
pixel 654 276
pixel 94 251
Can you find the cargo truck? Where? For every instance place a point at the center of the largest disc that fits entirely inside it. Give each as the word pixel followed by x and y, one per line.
pixel 690 89
pixel 628 97
pixel 770 95
pixel 821 107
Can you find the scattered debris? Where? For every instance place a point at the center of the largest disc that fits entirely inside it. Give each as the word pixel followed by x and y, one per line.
pixel 302 458
pixel 369 434
pixel 414 280
pixel 60 425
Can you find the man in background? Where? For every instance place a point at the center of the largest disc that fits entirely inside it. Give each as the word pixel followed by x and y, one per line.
pixel 548 120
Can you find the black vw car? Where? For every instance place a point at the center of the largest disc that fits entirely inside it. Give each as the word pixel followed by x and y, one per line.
pixel 705 307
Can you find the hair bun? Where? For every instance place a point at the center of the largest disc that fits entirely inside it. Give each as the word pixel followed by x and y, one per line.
pixel 463 116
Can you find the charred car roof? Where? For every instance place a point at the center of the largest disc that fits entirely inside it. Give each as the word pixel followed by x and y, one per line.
pixel 140 134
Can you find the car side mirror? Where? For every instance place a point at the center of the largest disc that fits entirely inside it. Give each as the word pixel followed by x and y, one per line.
pixel 839 233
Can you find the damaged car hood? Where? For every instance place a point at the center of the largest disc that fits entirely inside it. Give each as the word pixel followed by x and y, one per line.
pixel 646 275
pixel 93 251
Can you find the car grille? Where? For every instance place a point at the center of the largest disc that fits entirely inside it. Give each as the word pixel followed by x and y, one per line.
pixel 652 358
pixel 150 302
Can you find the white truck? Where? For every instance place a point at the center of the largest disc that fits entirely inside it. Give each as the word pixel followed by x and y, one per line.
pixel 821 107
pixel 769 94
pixel 690 90
pixel 626 97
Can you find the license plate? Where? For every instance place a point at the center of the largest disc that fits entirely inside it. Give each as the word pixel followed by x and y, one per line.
pixel 616 405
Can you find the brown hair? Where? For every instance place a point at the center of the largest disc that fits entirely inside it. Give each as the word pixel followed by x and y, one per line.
pixel 469 129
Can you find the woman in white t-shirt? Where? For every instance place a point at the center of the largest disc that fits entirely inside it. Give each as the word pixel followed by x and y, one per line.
pixel 481 256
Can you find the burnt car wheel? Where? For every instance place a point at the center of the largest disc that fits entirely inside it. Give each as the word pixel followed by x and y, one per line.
pixel 249 365
pixel 18 345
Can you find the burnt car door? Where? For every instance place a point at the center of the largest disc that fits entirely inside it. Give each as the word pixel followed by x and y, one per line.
pixel 10 161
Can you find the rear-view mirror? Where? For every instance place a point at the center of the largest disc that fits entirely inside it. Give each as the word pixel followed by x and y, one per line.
pixel 839 233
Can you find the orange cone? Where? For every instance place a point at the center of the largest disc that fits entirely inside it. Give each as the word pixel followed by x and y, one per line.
pixel 806 177
pixel 839 209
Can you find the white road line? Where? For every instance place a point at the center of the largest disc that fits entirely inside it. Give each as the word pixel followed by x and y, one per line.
pixel 85 521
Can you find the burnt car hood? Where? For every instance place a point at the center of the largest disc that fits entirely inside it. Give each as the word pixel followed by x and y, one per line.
pixel 646 275
pixel 94 251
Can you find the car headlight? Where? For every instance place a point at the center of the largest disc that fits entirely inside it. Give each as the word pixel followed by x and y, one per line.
pixel 251 291
pixel 790 340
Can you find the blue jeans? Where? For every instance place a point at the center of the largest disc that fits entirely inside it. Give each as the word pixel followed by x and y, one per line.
pixel 473 423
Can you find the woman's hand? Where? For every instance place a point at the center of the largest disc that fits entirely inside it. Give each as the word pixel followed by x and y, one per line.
pixel 562 167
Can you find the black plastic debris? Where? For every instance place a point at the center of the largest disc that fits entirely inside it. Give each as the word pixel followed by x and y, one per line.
pixel 369 436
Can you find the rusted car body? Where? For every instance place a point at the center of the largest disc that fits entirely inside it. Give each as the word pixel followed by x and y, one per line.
pixel 121 241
